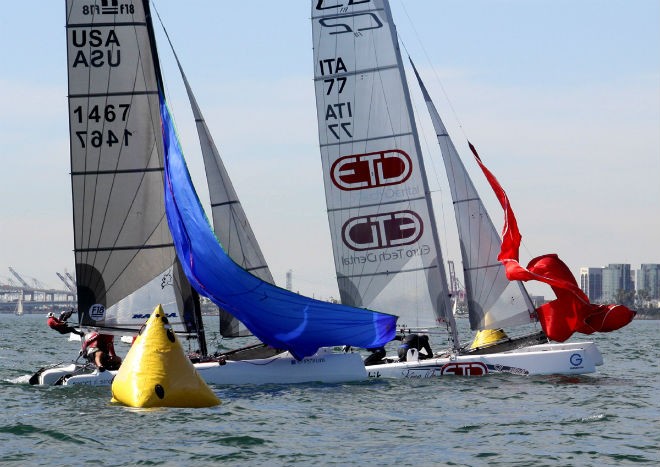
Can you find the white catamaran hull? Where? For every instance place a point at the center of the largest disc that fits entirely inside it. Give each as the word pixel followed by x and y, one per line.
pixel 71 374
pixel 545 359
pixel 323 367
pixel 328 367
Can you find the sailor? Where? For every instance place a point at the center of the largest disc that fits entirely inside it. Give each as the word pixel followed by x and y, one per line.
pixel 414 341
pixel 60 324
pixel 376 356
pixel 99 349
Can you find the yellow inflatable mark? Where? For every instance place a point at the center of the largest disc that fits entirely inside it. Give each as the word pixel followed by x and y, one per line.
pixel 487 337
pixel 157 373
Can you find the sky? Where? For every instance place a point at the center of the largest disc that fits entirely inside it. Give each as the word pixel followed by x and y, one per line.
pixel 561 98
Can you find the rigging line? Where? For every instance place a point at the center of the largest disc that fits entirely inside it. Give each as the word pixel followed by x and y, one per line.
pixel 420 129
pixel 449 102
pixel 435 73
pixel 245 243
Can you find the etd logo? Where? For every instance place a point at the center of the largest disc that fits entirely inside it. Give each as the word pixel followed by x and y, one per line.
pixel 385 230
pixel 371 170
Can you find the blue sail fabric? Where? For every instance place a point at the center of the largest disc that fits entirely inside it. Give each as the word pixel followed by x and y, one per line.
pixel 278 317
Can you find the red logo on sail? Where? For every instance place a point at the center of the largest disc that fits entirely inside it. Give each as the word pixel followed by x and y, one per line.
pixel 382 230
pixel 464 369
pixel 370 170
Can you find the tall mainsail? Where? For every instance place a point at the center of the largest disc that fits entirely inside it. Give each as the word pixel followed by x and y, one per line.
pixel 386 248
pixel 125 258
pixel 493 300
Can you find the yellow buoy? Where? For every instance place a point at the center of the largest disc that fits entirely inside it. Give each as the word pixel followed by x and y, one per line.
pixel 487 337
pixel 157 373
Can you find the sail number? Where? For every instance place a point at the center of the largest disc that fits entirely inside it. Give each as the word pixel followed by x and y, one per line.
pixel 341 110
pixel 97 138
pixel 98 113
pixel 106 9
pixel 109 113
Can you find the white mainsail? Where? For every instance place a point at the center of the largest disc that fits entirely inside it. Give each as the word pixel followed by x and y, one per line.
pixel 125 258
pixel 19 306
pixel 385 242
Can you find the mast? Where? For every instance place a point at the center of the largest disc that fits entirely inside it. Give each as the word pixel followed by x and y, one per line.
pixel 449 316
pixel 198 326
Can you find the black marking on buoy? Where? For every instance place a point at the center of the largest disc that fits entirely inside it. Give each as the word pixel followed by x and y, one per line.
pixel 160 391
pixel 170 335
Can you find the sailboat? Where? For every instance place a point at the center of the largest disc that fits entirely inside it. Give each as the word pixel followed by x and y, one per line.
pixel 386 246
pixel 142 237
pixel 19 306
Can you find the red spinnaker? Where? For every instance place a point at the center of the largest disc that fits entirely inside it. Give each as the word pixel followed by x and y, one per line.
pixel 571 311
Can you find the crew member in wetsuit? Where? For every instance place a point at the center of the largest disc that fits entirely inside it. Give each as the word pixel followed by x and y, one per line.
pixel 376 356
pixel 99 349
pixel 60 324
pixel 414 341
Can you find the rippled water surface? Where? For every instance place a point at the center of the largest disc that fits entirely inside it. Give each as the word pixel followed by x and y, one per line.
pixel 608 418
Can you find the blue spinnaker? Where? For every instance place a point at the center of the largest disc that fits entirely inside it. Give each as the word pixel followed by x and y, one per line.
pixel 278 317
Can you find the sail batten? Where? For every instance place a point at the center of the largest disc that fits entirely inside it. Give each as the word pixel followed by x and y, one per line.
pixel 124 247
pixel 402 271
pixel 117 172
pixel 363 140
pixel 385 203
pixel 355 72
pixel 114 94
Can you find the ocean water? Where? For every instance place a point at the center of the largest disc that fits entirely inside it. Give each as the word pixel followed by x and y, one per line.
pixel 608 418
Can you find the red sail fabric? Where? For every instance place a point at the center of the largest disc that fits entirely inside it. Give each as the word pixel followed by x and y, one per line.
pixel 571 311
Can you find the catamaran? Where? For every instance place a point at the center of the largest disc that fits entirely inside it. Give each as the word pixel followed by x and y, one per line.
pixel 385 240
pixel 142 238
pixel 141 235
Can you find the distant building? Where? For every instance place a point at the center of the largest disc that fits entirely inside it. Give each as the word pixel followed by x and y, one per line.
pixel 648 279
pixel 591 283
pixel 616 277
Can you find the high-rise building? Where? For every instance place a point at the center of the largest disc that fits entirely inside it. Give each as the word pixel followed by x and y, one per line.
pixel 648 279
pixel 591 283
pixel 616 277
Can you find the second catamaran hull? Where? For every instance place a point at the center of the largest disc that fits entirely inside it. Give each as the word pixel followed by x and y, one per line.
pixel 324 366
pixel 545 359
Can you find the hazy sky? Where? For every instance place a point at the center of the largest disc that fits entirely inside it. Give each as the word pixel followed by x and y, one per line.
pixel 561 98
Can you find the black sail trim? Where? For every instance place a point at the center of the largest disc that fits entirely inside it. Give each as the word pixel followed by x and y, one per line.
pixel 126 247
pixel 115 172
